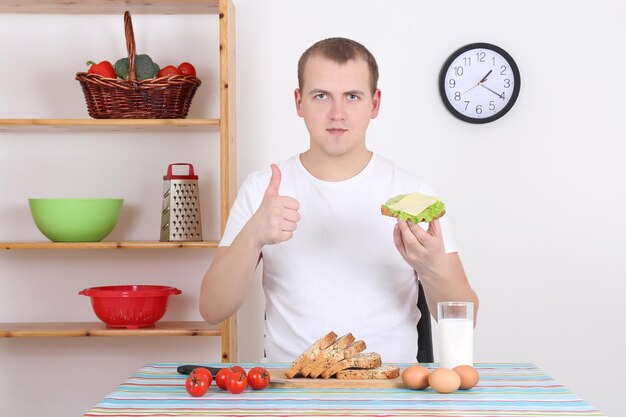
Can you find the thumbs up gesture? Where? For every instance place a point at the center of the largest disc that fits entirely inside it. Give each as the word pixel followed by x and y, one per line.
pixel 277 216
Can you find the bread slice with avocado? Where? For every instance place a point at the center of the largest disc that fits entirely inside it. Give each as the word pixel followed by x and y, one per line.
pixel 415 207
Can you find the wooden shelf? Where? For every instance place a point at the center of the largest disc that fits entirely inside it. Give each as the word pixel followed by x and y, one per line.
pixel 12 125
pixel 82 329
pixel 139 244
pixel 111 6
pixel 224 12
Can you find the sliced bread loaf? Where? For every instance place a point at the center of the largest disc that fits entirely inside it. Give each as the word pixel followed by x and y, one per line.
pixel 351 350
pixel 366 360
pixel 328 356
pixel 310 353
pixel 384 372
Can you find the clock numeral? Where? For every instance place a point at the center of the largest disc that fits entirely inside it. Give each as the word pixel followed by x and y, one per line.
pixel 466 104
pixel 480 56
pixel 452 83
pixel 492 106
pixel 479 109
pixel 507 83
pixel 457 96
pixel 493 61
pixel 502 97
pixel 467 61
pixel 458 71
pixel 503 68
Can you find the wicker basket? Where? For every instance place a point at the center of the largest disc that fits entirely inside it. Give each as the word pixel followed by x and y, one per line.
pixel 155 98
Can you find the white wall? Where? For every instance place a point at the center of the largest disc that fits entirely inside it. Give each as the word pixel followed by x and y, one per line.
pixel 536 197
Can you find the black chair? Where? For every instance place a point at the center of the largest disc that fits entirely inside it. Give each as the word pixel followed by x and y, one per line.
pixel 424 330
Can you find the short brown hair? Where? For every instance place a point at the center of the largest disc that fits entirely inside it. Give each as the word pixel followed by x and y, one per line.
pixel 340 50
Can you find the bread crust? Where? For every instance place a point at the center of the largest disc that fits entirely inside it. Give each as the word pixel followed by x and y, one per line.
pixel 383 372
pixel 386 212
pixel 348 352
pixel 310 353
pixel 366 360
pixel 328 356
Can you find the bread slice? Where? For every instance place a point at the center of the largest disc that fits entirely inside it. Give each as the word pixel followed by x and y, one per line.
pixel 366 360
pixel 415 207
pixel 383 372
pixel 310 353
pixel 328 356
pixel 330 360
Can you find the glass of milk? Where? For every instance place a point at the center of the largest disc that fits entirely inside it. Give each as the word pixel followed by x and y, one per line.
pixel 456 333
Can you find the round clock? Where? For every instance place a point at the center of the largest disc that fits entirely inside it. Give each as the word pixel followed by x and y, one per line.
pixel 479 83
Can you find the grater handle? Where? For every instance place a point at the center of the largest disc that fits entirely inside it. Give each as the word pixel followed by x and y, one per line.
pixel 171 176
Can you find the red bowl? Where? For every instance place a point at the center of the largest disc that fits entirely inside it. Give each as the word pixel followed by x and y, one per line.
pixel 130 306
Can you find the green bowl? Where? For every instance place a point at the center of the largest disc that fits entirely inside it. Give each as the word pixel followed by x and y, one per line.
pixel 75 219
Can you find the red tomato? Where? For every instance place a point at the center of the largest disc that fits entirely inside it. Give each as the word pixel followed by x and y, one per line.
pixel 203 371
pixel 169 70
pixel 222 377
pixel 197 385
pixel 187 69
pixel 236 383
pixel 239 369
pixel 258 378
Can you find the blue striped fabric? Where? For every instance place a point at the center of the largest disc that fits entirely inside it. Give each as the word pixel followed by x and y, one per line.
pixel 504 390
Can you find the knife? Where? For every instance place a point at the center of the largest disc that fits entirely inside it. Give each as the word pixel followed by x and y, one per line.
pixel 186 370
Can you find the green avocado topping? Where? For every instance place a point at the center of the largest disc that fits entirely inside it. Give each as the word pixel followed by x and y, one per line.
pixel 428 214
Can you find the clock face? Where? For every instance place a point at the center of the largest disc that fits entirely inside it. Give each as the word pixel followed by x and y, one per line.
pixel 479 83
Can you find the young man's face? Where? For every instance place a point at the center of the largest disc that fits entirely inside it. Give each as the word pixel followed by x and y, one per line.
pixel 337 104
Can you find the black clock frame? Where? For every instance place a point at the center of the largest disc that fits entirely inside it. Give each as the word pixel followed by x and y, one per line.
pixel 462 50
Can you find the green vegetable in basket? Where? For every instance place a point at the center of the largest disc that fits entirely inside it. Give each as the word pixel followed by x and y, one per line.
pixel 144 67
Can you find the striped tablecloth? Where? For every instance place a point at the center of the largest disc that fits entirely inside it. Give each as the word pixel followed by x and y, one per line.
pixel 504 390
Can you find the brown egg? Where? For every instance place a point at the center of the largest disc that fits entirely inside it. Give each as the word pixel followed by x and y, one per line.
pixel 444 380
pixel 469 376
pixel 415 377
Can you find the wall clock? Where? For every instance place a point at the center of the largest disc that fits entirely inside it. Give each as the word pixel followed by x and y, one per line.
pixel 479 83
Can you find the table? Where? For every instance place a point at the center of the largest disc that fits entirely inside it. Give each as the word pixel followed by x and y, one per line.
pixel 504 390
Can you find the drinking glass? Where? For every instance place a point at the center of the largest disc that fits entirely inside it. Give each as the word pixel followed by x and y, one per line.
pixel 456 333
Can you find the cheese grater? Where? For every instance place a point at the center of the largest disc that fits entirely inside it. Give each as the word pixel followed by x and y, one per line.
pixel 180 215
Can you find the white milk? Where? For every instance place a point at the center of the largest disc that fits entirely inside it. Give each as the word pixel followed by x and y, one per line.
pixel 455 342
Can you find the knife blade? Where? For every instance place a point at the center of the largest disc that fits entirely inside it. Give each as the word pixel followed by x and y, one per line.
pixel 186 370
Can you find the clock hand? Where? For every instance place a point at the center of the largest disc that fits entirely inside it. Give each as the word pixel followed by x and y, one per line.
pixel 470 89
pixel 479 82
pixel 485 77
pixel 497 94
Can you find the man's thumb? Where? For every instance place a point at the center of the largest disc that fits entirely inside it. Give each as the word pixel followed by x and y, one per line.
pixel 274 185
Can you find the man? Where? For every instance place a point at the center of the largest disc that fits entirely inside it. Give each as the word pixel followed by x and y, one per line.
pixel 331 261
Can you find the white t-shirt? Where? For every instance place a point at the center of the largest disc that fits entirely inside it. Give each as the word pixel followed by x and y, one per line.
pixel 341 270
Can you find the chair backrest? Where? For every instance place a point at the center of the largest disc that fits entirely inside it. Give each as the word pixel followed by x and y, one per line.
pixel 425 352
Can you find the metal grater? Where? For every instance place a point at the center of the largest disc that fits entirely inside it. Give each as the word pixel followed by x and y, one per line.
pixel 180 216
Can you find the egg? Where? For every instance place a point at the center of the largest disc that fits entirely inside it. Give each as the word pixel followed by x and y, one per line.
pixel 444 380
pixel 469 376
pixel 415 377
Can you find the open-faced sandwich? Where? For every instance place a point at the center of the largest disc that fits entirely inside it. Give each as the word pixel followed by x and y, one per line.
pixel 415 207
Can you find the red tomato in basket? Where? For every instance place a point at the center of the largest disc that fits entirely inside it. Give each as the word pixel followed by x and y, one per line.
pixel 203 371
pixel 239 369
pixel 222 377
pixel 258 378
pixel 187 69
pixel 169 70
pixel 236 383
pixel 197 385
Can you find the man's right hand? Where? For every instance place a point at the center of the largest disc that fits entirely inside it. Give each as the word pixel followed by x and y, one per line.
pixel 277 216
